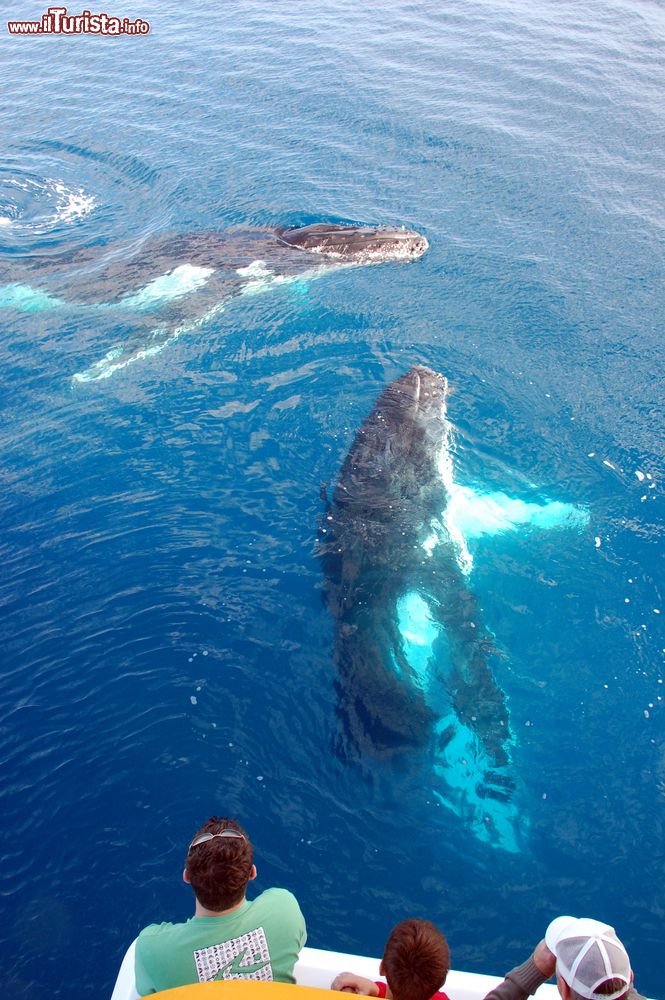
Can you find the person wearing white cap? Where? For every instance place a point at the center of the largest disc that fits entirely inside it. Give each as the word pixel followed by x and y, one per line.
pixel 589 960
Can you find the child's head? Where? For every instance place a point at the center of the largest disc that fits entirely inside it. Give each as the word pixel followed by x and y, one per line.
pixel 416 960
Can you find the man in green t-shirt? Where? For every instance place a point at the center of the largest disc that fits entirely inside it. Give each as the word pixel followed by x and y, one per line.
pixel 229 936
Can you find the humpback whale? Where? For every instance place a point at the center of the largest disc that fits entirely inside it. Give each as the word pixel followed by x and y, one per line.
pixel 413 656
pixel 176 283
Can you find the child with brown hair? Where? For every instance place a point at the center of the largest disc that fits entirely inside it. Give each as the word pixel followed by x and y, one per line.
pixel 415 964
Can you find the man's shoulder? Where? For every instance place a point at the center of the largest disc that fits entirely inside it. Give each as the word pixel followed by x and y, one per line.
pixel 157 931
pixel 278 899
pixel 277 904
pixel 276 893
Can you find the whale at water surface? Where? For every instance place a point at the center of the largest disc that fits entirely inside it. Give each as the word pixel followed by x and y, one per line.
pixel 176 283
pixel 413 656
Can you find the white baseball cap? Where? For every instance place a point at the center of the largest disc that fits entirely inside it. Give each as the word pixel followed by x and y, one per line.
pixel 587 954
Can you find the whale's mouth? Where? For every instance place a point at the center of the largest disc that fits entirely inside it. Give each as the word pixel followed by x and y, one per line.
pixel 359 244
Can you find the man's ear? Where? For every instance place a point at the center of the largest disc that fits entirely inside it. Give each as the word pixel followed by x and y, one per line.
pixel 252 873
pixel 185 877
pixel 564 988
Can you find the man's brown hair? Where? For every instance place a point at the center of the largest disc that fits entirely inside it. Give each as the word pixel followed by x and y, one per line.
pixel 416 960
pixel 219 869
pixel 605 988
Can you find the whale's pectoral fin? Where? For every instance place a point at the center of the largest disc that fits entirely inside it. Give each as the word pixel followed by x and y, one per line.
pixel 480 704
pixel 380 714
pixel 170 299
pixel 476 514
pixel 443 639
pixel 474 787
pixel 121 355
pixel 471 514
pixel 447 652
pixel 151 342
pixel 26 298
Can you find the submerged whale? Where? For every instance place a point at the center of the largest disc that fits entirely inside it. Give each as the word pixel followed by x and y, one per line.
pixel 413 656
pixel 179 282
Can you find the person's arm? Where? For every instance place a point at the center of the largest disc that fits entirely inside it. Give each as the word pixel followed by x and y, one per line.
pixel 525 979
pixel 144 984
pixel 300 925
pixel 348 982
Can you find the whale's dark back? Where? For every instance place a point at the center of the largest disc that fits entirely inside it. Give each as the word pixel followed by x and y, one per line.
pixel 388 482
pixel 109 273
pixel 367 544
pixel 389 493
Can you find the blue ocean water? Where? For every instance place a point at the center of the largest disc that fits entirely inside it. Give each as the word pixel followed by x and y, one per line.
pixel 165 651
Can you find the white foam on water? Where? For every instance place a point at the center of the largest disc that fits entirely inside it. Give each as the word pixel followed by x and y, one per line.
pixel 5 221
pixel 182 280
pixel 70 204
pixel 50 202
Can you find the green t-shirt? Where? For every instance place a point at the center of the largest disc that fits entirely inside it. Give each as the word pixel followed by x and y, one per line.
pixel 260 940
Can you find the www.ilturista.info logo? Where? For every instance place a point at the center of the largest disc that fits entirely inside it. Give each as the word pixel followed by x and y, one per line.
pixel 56 21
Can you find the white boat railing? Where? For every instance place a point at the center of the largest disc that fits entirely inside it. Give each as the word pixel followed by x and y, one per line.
pixel 318 968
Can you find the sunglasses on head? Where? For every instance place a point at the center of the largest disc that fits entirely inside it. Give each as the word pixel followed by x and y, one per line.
pixel 223 834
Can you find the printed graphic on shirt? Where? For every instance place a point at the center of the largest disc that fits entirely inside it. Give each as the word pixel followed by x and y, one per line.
pixel 244 957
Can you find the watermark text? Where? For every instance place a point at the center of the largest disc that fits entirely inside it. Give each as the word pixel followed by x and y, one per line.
pixel 56 21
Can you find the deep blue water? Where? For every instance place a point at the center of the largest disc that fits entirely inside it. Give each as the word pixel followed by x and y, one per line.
pixel 165 651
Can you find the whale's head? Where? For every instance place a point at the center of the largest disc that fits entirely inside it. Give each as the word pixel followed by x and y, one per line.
pixel 423 392
pixel 393 465
pixel 356 244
